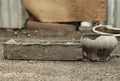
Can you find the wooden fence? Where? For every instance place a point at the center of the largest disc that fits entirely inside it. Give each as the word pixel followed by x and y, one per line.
pixel 13 15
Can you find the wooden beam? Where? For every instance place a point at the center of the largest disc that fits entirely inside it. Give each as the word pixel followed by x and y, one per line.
pixel 43 50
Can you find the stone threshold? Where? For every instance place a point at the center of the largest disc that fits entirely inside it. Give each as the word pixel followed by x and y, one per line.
pixel 44 50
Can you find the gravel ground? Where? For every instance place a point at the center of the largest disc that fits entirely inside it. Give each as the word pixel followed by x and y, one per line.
pixel 19 70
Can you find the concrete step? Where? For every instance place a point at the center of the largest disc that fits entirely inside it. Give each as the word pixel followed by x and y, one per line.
pixel 32 49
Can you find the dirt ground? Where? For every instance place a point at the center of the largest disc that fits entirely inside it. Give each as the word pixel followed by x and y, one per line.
pixel 21 70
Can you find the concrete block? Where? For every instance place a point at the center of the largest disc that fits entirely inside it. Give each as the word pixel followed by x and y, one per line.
pixel 22 49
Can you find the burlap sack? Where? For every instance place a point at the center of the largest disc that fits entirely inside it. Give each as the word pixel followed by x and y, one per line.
pixel 66 10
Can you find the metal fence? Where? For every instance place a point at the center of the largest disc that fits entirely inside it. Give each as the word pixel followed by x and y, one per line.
pixel 13 15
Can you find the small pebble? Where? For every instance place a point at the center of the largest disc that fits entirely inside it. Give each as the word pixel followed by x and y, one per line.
pixel 15 33
pixel 36 31
pixel 106 74
pixel 11 41
pixel 24 32
pixel 28 35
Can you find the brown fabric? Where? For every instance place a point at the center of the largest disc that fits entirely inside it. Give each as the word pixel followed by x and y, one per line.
pixel 31 17
pixel 66 10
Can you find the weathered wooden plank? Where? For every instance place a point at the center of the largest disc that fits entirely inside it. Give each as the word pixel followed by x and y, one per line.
pixel 43 50
pixel 50 26
pixel 5 13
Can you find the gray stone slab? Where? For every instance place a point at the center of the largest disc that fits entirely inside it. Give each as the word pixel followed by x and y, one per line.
pixel 22 49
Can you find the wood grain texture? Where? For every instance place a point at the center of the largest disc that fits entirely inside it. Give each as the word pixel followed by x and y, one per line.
pixel 43 50
pixel 66 10
pixel 50 26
